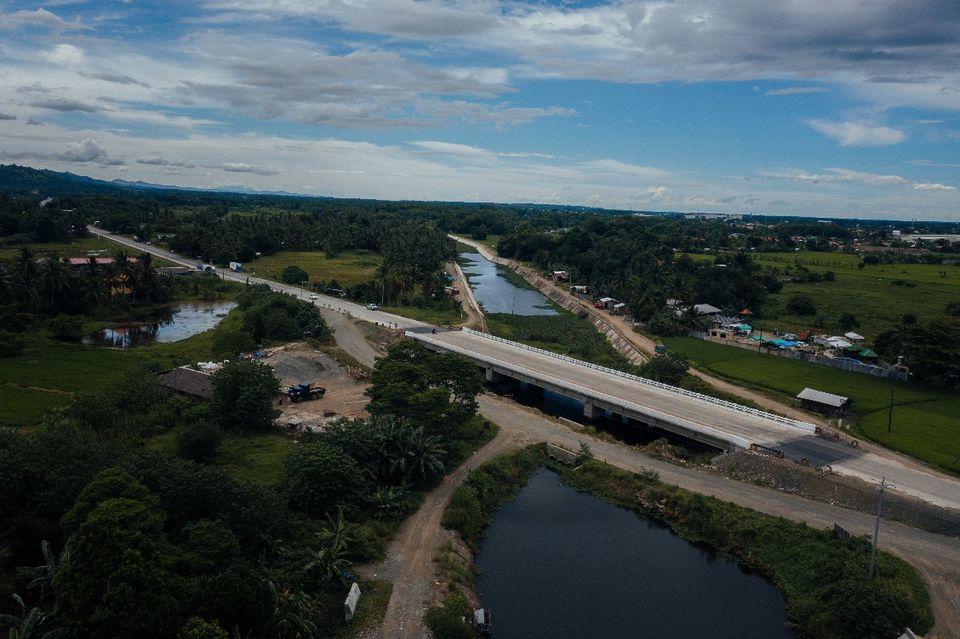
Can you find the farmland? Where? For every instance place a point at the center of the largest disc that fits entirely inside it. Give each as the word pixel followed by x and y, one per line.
pixel 877 295
pixel 349 268
pixel 924 419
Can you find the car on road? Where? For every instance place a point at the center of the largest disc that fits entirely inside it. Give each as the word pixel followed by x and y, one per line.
pixel 373 307
pixel 314 296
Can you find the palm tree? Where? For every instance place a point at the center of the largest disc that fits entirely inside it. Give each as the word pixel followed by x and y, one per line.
pixel 292 614
pixel 407 453
pixel 54 280
pixel 31 624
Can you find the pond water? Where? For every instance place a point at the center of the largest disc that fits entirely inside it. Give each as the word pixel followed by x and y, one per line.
pixel 497 294
pixel 184 320
pixel 557 563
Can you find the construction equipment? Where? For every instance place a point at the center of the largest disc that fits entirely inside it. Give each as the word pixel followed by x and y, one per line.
pixel 305 392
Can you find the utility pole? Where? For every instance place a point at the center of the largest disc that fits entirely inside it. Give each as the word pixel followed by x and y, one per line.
pixel 876 528
pixel 890 414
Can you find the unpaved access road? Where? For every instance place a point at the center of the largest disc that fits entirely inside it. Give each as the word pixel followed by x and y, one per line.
pixel 410 564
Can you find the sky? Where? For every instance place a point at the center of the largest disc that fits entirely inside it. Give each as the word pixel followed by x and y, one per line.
pixel 823 108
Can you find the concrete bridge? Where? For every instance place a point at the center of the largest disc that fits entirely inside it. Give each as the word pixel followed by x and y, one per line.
pixel 699 417
pixel 702 418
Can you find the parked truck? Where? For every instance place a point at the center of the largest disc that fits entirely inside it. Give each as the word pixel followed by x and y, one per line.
pixel 305 392
pixel 236 267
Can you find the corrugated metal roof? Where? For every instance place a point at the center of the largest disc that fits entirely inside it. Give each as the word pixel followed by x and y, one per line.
pixel 823 398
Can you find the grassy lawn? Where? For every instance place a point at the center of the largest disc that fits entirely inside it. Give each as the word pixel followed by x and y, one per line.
pixel 25 406
pixel 925 420
pixel 349 268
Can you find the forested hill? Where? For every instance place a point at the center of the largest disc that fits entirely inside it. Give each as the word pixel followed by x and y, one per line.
pixel 22 179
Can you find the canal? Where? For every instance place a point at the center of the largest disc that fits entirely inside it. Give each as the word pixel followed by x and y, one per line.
pixel 557 563
pixel 497 293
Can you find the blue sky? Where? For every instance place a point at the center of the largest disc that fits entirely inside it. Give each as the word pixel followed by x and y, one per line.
pixel 846 108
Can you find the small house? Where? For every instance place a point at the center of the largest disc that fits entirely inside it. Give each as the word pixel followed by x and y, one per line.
pixel 823 403
pixel 706 309
pixel 606 302
pixel 560 276
pixel 618 309
pixel 188 382
pixel 854 338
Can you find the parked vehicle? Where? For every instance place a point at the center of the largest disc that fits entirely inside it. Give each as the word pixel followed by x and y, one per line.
pixel 373 307
pixel 304 392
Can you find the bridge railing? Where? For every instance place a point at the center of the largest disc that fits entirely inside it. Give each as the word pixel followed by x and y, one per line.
pixel 610 400
pixel 787 421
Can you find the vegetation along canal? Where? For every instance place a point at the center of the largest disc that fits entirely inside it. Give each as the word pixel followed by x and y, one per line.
pixel 183 321
pixel 496 291
pixel 558 563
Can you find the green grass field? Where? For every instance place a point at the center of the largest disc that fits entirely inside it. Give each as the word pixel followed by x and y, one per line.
pixel 564 333
pixel 77 248
pixel 246 457
pixel 48 373
pixel 926 421
pixel 877 295
pixel 349 268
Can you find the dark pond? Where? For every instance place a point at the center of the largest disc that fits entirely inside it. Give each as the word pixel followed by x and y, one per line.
pixel 556 563
pixel 497 294
pixel 184 320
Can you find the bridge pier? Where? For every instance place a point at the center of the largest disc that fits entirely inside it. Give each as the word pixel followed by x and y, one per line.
pixel 489 374
pixel 588 409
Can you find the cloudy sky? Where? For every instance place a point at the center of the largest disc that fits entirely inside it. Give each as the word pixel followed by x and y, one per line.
pixel 846 108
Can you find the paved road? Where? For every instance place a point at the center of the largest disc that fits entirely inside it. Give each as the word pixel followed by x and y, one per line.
pixel 350 309
pixel 840 456
pixel 909 477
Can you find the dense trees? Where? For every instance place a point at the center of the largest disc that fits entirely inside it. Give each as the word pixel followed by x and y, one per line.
pixel 243 396
pixel 928 347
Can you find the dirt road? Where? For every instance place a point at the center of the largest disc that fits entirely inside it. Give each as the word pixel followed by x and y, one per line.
pixel 409 563
pixel 350 338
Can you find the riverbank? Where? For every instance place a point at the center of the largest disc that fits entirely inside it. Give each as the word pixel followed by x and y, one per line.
pixel 822 578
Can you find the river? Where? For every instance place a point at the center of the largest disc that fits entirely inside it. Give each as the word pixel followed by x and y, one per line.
pixel 557 563
pixel 497 294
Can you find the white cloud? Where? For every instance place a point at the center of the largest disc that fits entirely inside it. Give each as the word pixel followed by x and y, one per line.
pixel 858 133
pixel 448 148
pixel 933 186
pixel 65 55
pixel 635 170
pixel 37 18
pixel 795 91
pixel 243 167
pixel 834 176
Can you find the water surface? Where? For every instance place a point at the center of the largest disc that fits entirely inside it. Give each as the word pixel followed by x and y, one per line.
pixel 556 563
pixel 184 320
pixel 497 294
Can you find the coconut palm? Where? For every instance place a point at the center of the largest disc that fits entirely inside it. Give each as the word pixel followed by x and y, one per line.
pixel 54 280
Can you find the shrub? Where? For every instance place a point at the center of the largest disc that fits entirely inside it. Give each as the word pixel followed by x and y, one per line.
pixel 66 328
pixel 200 443
pixel 446 622
pixel 801 305
pixel 294 275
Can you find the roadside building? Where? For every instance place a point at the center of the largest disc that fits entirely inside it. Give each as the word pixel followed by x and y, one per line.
pixel 706 309
pixel 188 382
pixel 618 309
pixel 606 302
pixel 823 403
pixel 854 338
pixel 560 276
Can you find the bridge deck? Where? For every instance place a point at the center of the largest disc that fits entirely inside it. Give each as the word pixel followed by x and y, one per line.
pixel 735 426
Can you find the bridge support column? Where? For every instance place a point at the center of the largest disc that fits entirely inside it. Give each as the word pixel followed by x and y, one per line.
pixel 588 409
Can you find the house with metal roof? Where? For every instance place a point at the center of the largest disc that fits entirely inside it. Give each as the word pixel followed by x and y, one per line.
pixel 824 403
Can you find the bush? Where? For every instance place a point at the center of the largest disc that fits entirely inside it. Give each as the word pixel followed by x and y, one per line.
pixel 801 305
pixel 200 443
pixel 318 477
pixel 66 328
pixel 294 275
pixel 446 622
